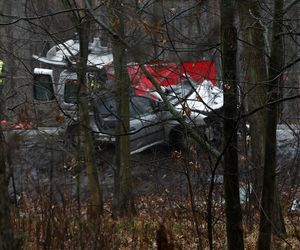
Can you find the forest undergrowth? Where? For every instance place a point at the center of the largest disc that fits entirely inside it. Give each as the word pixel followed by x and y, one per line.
pixel 161 221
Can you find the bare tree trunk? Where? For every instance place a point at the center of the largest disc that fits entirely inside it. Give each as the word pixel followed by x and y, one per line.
pixel 269 183
pixel 6 233
pixel 123 203
pixel 279 224
pixel 234 226
pixel 254 54
pixel 83 28
pixel 256 75
pixel 89 149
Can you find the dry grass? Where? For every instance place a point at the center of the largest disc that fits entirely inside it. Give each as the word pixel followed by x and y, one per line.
pixel 67 225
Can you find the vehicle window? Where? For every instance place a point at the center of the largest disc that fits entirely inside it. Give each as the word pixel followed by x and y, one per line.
pixel 140 106
pixel 71 91
pixel 107 107
pixel 42 88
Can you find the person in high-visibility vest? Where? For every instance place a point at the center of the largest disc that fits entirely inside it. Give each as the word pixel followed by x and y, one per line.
pixel 1 75
pixel 1 88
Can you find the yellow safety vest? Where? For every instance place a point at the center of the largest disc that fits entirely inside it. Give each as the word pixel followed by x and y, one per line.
pixel 1 71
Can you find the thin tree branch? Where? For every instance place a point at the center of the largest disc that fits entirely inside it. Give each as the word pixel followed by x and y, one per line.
pixel 269 104
pixel 290 5
pixel 19 19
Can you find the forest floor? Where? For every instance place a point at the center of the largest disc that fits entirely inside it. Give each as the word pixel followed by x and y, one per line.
pixel 53 190
pixel 39 160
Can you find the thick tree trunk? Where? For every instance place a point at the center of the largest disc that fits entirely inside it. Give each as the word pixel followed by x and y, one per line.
pixel 85 130
pixel 279 223
pixel 254 55
pixel 268 194
pixel 6 233
pixel 234 226
pixel 256 75
pixel 123 202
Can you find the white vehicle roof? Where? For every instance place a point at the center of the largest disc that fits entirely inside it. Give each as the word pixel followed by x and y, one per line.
pixel 65 53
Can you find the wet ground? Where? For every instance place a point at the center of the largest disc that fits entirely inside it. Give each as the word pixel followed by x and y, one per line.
pixel 40 163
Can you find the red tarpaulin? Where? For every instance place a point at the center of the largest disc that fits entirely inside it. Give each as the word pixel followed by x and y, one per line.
pixel 167 74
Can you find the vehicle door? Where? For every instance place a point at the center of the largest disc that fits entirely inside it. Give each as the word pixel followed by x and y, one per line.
pixel 146 128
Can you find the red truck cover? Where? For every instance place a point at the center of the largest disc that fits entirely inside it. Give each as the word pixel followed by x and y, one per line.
pixel 167 74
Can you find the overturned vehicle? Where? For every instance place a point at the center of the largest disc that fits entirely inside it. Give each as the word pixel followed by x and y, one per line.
pixel 190 88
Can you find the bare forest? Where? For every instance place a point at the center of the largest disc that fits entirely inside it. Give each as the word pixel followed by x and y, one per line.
pixel 149 124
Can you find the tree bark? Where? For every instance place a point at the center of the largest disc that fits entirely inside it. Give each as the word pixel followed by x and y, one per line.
pixel 256 75
pixel 123 202
pixel 6 232
pixel 269 178
pixel 234 226
pixel 85 130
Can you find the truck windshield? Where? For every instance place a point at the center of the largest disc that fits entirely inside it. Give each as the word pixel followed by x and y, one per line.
pixel 42 88
pixel 138 106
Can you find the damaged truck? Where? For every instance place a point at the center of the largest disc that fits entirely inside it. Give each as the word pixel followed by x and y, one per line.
pixel 189 86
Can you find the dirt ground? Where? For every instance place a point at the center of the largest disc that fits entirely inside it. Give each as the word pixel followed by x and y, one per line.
pixel 40 163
